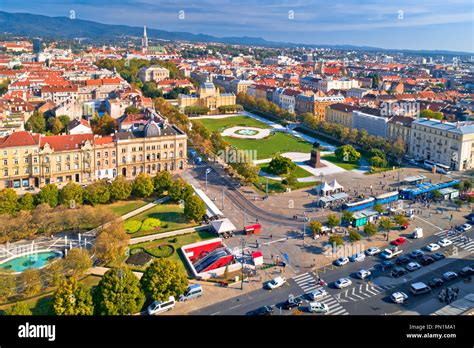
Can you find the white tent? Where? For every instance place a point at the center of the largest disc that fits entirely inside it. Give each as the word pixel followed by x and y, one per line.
pixel 336 186
pixel 223 225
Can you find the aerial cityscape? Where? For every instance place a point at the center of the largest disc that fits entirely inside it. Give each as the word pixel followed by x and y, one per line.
pixel 154 169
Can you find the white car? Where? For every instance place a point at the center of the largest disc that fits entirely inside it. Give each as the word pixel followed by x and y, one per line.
pixel 161 306
pixel 399 297
pixel 359 257
pixel 413 266
pixel 276 283
pixel 318 294
pixel 362 274
pixel 342 261
pixel 342 283
pixel 372 251
pixel 432 247
pixel 450 275
pixel 445 242
pixel 318 307
pixel 466 227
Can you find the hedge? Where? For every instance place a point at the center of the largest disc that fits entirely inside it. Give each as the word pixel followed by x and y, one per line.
pixel 132 226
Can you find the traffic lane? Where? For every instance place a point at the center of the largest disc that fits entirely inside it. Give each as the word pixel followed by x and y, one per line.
pixel 245 303
pixel 381 303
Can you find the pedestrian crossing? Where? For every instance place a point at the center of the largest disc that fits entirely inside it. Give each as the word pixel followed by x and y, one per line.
pixel 461 241
pixel 308 283
pixel 361 292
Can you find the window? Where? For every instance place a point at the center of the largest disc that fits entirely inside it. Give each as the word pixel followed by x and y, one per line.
pixel 68 167
pixel 5 172
pixel 68 157
pixel 46 170
pixel 35 170
pixel 124 150
pixel 5 152
pixel 16 160
pixel 76 157
pixel 5 162
pixel 113 153
pixel 106 154
pixel 98 154
pixel 76 166
pixel 58 167
pixel 27 160
pixel 58 158
pixel 98 163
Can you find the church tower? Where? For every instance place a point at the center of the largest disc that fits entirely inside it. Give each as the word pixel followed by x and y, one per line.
pixel 144 41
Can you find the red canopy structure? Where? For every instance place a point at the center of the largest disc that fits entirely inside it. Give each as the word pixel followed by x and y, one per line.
pixel 253 229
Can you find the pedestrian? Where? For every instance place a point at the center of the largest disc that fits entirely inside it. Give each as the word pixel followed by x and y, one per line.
pixel 271 236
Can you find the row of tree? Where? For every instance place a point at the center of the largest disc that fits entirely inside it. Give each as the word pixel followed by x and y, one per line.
pixel 39 123
pixel 119 292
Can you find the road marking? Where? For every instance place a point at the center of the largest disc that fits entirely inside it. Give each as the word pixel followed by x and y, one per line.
pixel 235 306
pixel 370 292
pixel 215 313
pixel 429 223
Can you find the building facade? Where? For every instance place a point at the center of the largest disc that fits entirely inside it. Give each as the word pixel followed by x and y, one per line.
pixel 153 73
pixel 208 96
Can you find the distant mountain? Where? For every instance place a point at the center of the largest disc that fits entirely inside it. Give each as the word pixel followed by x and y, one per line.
pixel 32 25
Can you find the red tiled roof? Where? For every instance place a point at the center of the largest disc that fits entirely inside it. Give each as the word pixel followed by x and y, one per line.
pixel 17 139
pixel 66 142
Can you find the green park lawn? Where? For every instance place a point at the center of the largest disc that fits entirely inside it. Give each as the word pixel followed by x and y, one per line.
pixel 300 172
pixel 275 186
pixel 219 124
pixel 276 143
pixel 170 215
pixel 123 207
pixel 344 165
pixel 153 247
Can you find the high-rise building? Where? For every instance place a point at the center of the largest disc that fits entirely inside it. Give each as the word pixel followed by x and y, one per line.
pixel 37 45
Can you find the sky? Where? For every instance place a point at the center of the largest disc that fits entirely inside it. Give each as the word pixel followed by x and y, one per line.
pixel 399 24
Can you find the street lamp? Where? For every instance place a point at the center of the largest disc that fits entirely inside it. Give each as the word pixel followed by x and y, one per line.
pixel 242 245
pixel 208 170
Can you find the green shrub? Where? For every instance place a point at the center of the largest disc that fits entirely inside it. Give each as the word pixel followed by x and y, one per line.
pixel 164 250
pixel 132 226
pixel 336 239
pixel 150 224
pixel 354 235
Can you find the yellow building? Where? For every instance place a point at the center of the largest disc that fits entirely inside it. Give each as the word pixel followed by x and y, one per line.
pixel 208 96
pixel 340 114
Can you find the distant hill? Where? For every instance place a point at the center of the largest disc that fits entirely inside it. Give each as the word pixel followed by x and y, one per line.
pixel 32 25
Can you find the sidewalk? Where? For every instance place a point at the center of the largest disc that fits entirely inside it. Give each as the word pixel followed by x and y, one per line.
pixel 167 234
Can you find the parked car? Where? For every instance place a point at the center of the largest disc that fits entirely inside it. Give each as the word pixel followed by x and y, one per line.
pixel 438 256
pixel 448 276
pixel 341 261
pixel 317 295
pixel 372 251
pixel 413 266
pixel 404 226
pixel 385 265
pixel 465 227
pixel 293 303
pixel 436 282
pixel 399 297
pixel 362 274
pixel 432 247
pixel 359 257
pixel 427 260
pixel 419 288
pixel 342 283
pixel 276 283
pixel 466 271
pixel 470 217
pixel 193 291
pixel 161 306
pixel 399 272
pixel 416 254
pixel 399 241
pixel 318 307
pixel 445 242
pixel 265 310
pixel 402 260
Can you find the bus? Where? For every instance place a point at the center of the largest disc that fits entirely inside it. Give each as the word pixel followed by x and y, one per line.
pixel 388 197
pixel 442 169
pixel 360 205
pixel 429 164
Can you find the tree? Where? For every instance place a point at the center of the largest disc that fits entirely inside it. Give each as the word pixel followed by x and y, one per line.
pixel 49 194
pixel 143 185
pixel 370 229
pixel 427 113
pixel 436 195
pixel 280 165
pixel 97 192
pixel 54 125
pixel 65 120
pixel 336 239
pixel 180 190
pixel 111 242
pixel 119 293
pixel 7 287
pixel 8 201
pixel 315 227
pixel 194 208
pixel 26 202
pixel 120 189
pixel 347 216
pixel 347 153
pixel 132 109
pixel 71 298
pixel 19 308
pixel 385 224
pixel 162 181
pixel 164 278
pixel 104 125
pixel 458 203
pixel 290 180
pixel 354 235
pixel 36 123
pixel 77 262
pixel 400 219
pixel 379 208
pixel 55 272
pixel 71 194
pixel 333 220
pixel 30 282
